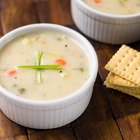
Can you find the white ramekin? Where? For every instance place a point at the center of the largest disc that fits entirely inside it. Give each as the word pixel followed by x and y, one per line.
pixel 53 113
pixel 107 28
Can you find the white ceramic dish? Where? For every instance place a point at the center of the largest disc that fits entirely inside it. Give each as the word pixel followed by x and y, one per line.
pixel 107 28
pixel 53 113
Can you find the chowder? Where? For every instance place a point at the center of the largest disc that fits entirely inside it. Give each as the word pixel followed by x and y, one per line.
pixel 43 66
pixel 121 7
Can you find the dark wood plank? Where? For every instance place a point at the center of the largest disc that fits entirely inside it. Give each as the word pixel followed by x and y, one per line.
pixel 122 104
pixel 55 11
pixel 1 30
pixel 7 3
pixel 9 128
pixel 31 130
pixel 104 55
pixel 130 127
pixel 102 130
pixel 54 134
pixel 97 122
pixel 20 137
pixel 17 13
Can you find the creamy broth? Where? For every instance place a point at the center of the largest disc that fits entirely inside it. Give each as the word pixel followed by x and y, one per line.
pixel 54 84
pixel 121 7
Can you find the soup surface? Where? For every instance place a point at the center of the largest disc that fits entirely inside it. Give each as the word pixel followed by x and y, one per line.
pixel 121 7
pixel 68 61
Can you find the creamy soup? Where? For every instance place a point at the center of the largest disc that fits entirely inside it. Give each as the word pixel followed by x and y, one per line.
pixel 43 66
pixel 122 7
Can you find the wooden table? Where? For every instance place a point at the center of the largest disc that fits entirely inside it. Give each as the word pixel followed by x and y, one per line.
pixel 110 115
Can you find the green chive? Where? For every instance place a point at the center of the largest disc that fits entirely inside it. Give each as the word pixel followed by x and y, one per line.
pixel 42 67
pixel 39 76
pixel 39 57
pixel 38 61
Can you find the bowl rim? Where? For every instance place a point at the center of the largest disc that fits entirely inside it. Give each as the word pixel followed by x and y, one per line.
pixel 113 16
pixel 77 93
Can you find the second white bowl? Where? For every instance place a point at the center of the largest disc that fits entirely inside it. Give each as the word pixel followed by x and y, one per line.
pixel 107 28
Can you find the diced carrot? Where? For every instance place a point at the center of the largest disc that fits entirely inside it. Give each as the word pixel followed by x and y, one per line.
pixel 97 1
pixel 11 72
pixel 61 61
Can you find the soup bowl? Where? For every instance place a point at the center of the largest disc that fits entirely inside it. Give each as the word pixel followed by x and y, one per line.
pixel 46 114
pixel 104 27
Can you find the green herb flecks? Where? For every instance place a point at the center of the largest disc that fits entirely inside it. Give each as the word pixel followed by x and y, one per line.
pixel 59 39
pixel 14 85
pixel 80 69
pixel 122 2
pixel 21 90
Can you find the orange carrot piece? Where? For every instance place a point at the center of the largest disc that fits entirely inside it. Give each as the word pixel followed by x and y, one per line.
pixel 97 1
pixel 11 72
pixel 61 61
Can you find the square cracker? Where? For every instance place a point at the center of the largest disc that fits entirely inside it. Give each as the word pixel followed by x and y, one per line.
pixel 119 81
pixel 126 64
pixel 135 92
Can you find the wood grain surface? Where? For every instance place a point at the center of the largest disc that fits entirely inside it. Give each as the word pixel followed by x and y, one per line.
pixel 111 115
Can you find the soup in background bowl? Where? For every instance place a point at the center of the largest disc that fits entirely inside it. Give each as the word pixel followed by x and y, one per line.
pixel 117 7
pixel 36 55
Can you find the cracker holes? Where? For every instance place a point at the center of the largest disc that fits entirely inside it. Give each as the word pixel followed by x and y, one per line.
pixel 124 69
pixel 135 55
pixel 132 73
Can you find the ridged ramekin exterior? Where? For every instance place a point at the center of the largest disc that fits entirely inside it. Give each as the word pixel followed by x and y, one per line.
pixel 42 117
pixel 105 29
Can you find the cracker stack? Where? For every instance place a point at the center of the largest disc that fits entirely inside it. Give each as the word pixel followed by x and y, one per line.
pixel 124 71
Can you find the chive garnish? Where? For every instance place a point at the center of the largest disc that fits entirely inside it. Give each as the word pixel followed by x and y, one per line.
pixel 38 62
pixel 42 67
pixel 39 76
pixel 39 57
